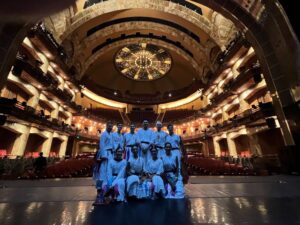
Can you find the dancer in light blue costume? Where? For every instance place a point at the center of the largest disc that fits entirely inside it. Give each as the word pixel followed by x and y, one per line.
pixel 174 184
pixel 159 139
pixel 118 138
pixel 175 141
pixel 145 136
pixel 104 154
pixel 137 187
pixel 130 140
pixel 154 169
pixel 116 171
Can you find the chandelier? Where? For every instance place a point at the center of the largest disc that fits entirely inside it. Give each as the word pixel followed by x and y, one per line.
pixel 143 61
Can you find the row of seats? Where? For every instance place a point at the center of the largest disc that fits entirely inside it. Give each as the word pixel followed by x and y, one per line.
pixel 179 114
pixel 64 169
pixel 108 114
pixel 139 116
pixel 210 166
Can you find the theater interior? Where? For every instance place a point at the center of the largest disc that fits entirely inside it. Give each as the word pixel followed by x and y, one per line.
pixel 226 74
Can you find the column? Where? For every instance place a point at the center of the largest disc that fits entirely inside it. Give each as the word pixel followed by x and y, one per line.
pixel 47 144
pixel 224 114
pixel 69 120
pixel 231 146
pixel 34 100
pixel 45 61
pixel 217 146
pixel 20 142
pixel 243 104
pixel 63 147
pixel 254 145
pixel 54 113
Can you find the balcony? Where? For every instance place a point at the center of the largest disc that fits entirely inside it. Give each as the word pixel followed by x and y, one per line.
pixel 44 41
pixel 247 78
pixel 22 111
pixel 234 49
pixel 246 118
pixel 32 72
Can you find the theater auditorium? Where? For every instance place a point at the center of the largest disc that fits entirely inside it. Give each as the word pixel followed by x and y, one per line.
pixel 149 112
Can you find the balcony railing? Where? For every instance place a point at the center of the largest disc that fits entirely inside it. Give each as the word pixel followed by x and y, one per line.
pixel 47 81
pixel 35 72
pixel 233 85
pixel 247 117
pixel 22 111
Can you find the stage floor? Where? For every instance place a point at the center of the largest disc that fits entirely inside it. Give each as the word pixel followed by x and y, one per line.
pixel 210 200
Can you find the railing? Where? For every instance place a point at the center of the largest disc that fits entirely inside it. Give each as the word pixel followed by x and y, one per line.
pixel 34 71
pixel 233 85
pixel 60 57
pixel 245 118
pixel 27 113
pixel 45 80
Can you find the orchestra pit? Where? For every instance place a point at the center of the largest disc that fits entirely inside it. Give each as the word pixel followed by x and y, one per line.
pixel 149 112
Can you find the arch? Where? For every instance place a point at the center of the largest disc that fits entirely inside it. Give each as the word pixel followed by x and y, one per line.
pixel 171 8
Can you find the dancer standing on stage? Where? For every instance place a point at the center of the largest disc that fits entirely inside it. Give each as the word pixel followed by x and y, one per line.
pixel 172 174
pixel 104 154
pixel 145 136
pixel 130 140
pixel 159 139
pixel 118 138
pixel 175 141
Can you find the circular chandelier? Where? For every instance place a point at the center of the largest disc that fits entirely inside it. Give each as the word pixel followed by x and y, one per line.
pixel 143 61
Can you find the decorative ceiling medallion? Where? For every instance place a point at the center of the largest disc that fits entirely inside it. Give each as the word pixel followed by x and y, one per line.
pixel 143 61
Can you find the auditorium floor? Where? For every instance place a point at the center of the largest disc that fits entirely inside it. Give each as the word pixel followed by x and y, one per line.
pixel 210 200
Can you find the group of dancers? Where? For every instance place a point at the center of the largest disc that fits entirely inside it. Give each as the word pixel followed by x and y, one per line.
pixel 138 165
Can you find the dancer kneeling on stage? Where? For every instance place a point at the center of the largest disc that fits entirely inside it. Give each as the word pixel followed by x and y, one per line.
pixel 172 175
pixel 154 169
pixel 116 169
pixel 137 187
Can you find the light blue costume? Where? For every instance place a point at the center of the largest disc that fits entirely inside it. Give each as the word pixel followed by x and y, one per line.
pixel 135 187
pixel 155 168
pixel 159 139
pixel 130 140
pixel 174 140
pixel 105 154
pixel 118 140
pixel 145 137
pixel 116 177
pixel 170 168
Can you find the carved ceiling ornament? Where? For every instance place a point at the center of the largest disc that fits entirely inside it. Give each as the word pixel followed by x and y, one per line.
pixel 169 7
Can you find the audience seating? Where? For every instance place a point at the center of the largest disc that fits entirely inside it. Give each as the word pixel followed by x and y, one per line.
pixel 179 114
pixel 139 116
pixel 210 166
pixel 70 168
pixel 107 114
